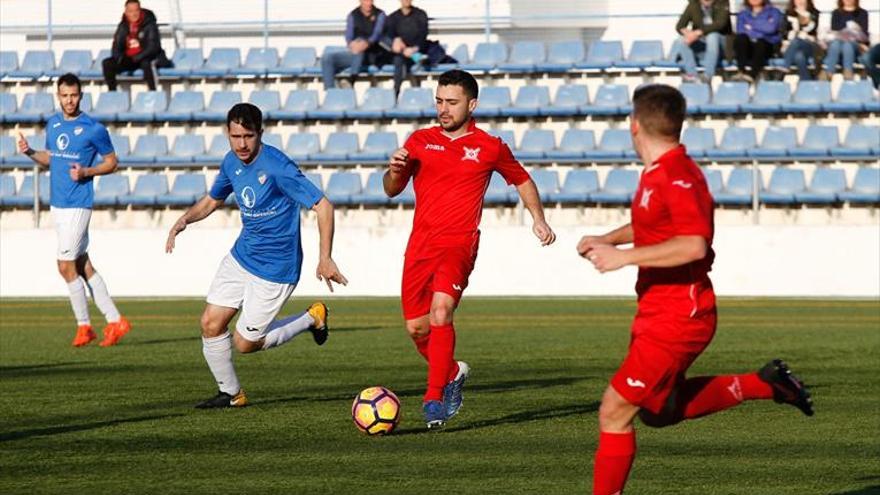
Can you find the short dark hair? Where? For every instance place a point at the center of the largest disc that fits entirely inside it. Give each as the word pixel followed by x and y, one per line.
pixel 840 4
pixel 246 115
pixel 70 79
pixel 132 1
pixel 660 110
pixel 456 77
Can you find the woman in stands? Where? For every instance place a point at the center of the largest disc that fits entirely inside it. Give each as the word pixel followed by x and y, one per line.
pixel 847 39
pixel 759 33
pixel 801 22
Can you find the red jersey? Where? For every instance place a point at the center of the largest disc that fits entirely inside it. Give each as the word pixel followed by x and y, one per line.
pixel 450 177
pixel 673 200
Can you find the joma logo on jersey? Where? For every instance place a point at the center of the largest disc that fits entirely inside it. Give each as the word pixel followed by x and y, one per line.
pixel 471 154
pixel 434 147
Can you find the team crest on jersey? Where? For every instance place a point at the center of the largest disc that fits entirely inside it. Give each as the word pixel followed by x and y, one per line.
pixel 248 197
pixel 646 198
pixel 77 131
pixel 62 141
pixel 261 178
pixel 471 154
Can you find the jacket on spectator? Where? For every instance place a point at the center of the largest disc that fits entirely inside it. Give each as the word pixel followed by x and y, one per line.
pixel 766 25
pixel 412 28
pixel 839 23
pixel 693 16
pixel 148 36
pixel 801 25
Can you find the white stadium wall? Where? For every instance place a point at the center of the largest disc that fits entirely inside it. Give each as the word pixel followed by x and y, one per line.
pixel 839 261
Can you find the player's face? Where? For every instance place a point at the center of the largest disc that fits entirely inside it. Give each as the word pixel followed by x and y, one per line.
pixel 244 142
pixel 133 12
pixel 69 98
pixel 454 108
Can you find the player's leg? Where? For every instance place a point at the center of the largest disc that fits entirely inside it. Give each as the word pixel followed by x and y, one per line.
pixel 68 251
pixel 441 351
pixel 257 329
pixel 419 331
pixel 415 300
pixel 314 319
pixel 117 325
pixel 617 443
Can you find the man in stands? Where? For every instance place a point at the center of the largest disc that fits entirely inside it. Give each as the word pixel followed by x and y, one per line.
pixel 363 30
pixel 136 45
pixel 702 26
pixel 407 28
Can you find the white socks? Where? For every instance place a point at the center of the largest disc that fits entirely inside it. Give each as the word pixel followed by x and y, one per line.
pixel 78 301
pixel 281 331
pixel 218 355
pixel 102 298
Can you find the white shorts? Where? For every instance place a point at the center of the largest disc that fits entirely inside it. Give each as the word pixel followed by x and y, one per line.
pixel 259 300
pixel 72 226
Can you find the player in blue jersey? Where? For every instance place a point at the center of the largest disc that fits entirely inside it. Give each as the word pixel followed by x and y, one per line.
pixel 263 267
pixel 75 141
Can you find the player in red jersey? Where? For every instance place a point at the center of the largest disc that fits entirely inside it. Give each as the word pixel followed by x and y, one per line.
pixel 450 165
pixel 671 229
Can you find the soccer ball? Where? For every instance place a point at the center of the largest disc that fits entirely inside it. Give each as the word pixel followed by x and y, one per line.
pixel 376 411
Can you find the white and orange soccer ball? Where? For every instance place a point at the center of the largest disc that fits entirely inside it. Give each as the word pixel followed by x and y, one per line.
pixel 376 411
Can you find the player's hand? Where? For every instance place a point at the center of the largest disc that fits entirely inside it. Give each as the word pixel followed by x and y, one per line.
pixel 177 228
pixel 544 233
pixel 398 161
pixel 329 272
pixel 23 145
pixel 587 243
pixel 77 172
pixel 606 258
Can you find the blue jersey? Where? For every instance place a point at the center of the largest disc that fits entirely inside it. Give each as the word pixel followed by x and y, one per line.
pixel 269 191
pixel 78 140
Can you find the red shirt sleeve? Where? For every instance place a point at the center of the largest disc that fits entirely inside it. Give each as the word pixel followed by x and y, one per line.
pixel 413 147
pixel 509 167
pixel 690 206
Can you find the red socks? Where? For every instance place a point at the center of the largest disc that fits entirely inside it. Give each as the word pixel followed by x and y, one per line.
pixel 705 395
pixel 422 345
pixel 441 349
pixel 614 458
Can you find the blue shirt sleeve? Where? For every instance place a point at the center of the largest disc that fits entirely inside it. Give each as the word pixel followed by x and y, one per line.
pixel 349 29
pixel 101 140
pixel 296 186
pixel 378 28
pixel 222 186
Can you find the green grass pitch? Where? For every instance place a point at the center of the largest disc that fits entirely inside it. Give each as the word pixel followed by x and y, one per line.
pixel 120 420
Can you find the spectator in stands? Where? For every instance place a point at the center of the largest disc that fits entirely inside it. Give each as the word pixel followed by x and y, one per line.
pixel 801 23
pixel 136 45
pixel 407 35
pixel 847 39
pixel 759 32
pixel 363 31
pixel 872 65
pixel 703 26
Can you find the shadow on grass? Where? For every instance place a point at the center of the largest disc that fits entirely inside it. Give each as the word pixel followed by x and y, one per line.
pixel 189 338
pixel 359 328
pixel 57 430
pixel 868 490
pixel 38 369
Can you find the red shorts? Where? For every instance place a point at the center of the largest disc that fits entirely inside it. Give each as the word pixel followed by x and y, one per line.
pixel 663 346
pixel 446 272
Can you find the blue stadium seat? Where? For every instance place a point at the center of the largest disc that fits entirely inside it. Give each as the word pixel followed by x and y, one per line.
pixel 216 151
pixel 486 57
pixel 769 98
pixel 562 56
pixel 602 55
pixel 373 193
pixel 8 62
pixel 96 70
pixel 499 192
pixel 74 61
pixel 775 143
pixel 818 141
pixel 413 103
pixel 35 64
pixel 109 188
pixel 611 99
pixel 547 182
pixel 696 95
pixel 492 100
pixel 784 184
pixel 573 145
pixel 186 147
pixel 8 149
pixel 738 191
pixel 146 149
pixel 218 107
pixel 615 145
pixel 337 101
pixel 578 186
pixel 110 104
pixel 145 107
pixel 297 106
pixel 258 62
pixel 506 135
pixel 220 62
pixel 267 100
pixel 735 144
pixel 376 102
pixel 337 148
pixel 535 144
pixel 713 180
pixel 825 185
pixel 642 54
pixel 8 105
pixel 35 107
pixel 570 98
pixel 7 188
pixel 377 147
pixel 530 100
pixel 809 97
pixel 273 139
pixel 186 60
pixel 342 187
pixel 301 146
pixel 728 98
pixel 861 141
pixel 620 185
pixel 296 60
pixel 147 188
pixel 460 54
pixel 16 160
pixel 865 188
pixel 524 57
pixel 24 198
pixel 315 179
pixel 315 70
pixel 85 103
pixel 187 189
pixel 698 141
pixel 183 105
pixel 407 197
pixel 121 146
pixel 853 96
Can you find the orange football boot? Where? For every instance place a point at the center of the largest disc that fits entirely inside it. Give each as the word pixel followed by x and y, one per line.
pixel 84 335
pixel 113 332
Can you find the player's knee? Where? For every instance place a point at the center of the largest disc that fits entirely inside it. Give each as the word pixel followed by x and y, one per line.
pixel 245 346
pixel 67 270
pixel 417 329
pixel 441 314
pixel 210 326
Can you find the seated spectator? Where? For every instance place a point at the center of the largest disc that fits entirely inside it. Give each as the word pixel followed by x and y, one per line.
pixel 363 31
pixel 759 32
pixel 703 26
pixel 407 36
pixel 801 22
pixel 872 65
pixel 136 45
pixel 848 38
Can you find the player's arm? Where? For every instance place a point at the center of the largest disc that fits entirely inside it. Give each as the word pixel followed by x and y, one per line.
pixel 618 236
pixel 677 251
pixel 327 269
pixel 396 176
pixel 528 193
pixel 107 166
pixel 41 158
pixel 196 212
